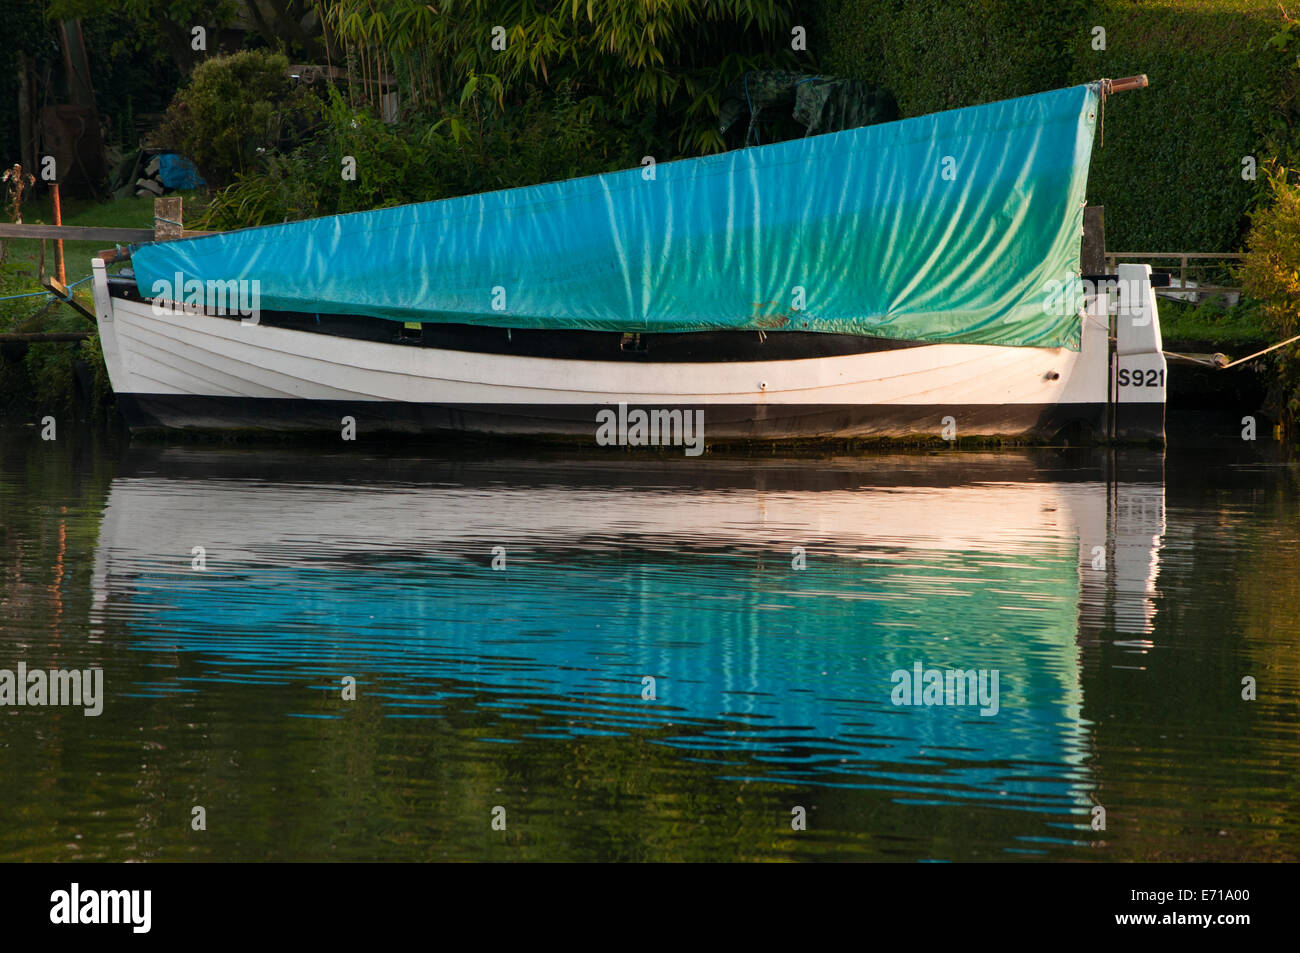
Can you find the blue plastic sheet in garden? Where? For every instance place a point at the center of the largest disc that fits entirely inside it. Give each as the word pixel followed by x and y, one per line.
pixel 947 227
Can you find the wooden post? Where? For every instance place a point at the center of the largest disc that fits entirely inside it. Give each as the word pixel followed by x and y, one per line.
pixel 58 242
pixel 1092 255
pixel 167 218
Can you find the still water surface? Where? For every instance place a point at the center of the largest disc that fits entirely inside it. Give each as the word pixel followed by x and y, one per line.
pixel 507 621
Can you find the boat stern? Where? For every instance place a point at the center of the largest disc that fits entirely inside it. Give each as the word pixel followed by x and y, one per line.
pixel 1139 371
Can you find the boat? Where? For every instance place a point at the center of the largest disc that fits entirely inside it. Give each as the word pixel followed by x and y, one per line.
pixel 915 278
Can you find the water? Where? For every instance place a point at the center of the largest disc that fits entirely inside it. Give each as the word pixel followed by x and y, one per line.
pixel 507 620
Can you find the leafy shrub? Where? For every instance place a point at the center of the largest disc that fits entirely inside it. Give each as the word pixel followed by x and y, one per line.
pixel 465 150
pixel 1270 270
pixel 237 109
pixel 937 56
pixel 1270 274
pixel 1170 171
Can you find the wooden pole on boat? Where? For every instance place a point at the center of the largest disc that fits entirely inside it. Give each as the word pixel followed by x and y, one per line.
pixel 1125 84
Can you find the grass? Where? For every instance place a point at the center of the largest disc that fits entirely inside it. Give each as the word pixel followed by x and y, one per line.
pixel 1210 326
pixel 24 253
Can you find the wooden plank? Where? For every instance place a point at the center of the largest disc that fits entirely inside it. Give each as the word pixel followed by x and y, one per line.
pixel 60 291
pixel 1093 250
pixel 77 233
pixel 58 223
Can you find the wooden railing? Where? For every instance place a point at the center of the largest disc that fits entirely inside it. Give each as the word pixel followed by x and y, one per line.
pixel 167 216
pixel 1211 272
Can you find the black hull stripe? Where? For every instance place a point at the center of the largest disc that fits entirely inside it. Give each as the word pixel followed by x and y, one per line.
pixel 721 421
pixel 695 348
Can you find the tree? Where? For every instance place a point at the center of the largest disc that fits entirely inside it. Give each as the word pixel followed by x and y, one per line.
pixel 1270 272
pixel 669 59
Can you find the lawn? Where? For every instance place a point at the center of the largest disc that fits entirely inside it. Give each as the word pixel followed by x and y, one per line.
pixel 24 253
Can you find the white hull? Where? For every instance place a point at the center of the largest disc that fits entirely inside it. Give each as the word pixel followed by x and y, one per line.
pixel 173 368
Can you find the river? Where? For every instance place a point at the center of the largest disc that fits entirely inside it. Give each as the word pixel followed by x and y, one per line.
pixel 315 654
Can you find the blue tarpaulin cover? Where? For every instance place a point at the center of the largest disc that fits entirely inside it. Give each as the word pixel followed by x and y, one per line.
pixel 948 227
pixel 178 172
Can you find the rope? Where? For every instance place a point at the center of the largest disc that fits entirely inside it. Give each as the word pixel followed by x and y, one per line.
pixel 1190 359
pixel 1101 118
pixel 1224 367
pixel 1265 351
pixel 32 294
pixel 49 294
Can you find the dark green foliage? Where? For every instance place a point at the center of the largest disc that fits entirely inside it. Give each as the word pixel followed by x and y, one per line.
pixel 41 378
pixel 23 27
pixel 1169 172
pixel 577 89
pixel 469 149
pixel 936 56
pixel 668 60
pixel 1212 325
pixel 148 31
pixel 128 82
pixel 235 109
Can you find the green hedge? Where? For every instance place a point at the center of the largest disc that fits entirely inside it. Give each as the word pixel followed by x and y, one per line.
pixel 944 55
pixel 1169 172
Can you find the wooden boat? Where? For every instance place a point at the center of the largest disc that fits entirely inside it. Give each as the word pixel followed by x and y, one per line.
pixel 914 278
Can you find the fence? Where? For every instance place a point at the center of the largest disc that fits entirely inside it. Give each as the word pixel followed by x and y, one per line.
pixel 1201 272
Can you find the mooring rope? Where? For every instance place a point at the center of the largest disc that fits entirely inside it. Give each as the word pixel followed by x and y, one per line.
pixel 31 294
pixel 1224 367
pixel 1265 351
pixel 51 294
pixel 1192 360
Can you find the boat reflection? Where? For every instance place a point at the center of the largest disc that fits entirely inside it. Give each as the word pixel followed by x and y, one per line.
pixel 765 605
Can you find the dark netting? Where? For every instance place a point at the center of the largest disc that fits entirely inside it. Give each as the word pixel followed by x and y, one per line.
pixel 817 103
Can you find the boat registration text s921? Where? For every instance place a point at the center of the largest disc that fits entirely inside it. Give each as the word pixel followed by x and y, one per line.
pixel 1141 377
